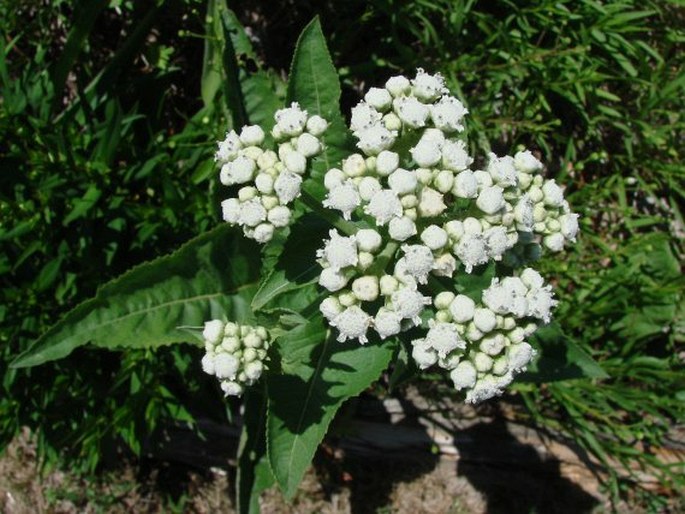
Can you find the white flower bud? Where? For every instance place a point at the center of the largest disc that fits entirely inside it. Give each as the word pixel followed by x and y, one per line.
pixel 352 323
pixel 332 279
pixel 497 241
pixel 540 303
pixel 409 201
pixel 387 323
pixel 308 145
pixel 334 177
pixel 264 183
pixel 520 355
pixel 412 112
pixel 526 162
pixel 462 309
pixel 339 251
pixel 213 331
pixel 554 242
pixel 269 202
pixel 279 216
pixel 464 375
pixel 454 229
pixel 230 344
pixel 444 338
pixel 444 265
pixel 365 260
pixel 368 186
pixel 448 113
pixel 252 213
pixel 378 98
pixel 392 122
pixel 426 153
pixel 253 370
pixel 398 85
pixel 229 147
pixel 553 194
pixel 409 303
pixel 238 171
pixel 465 185
pixel 485 320
pixel 347 299
pixel 247 193
pixel 387 162
pixel 483 178
pixel 454 156
pixel 368 240
pixel 443 300
pixel 330 307
pixel 231 388
pixel 389 285
pixel 472 226
pixel 401 229
pixel 482 362
pixel 428 87
pixel 230 210
pixel 471 251
pixel 263 233
pixel 492 345
pixel 444 181
pixel 431 203
pixel 384 206
pixel 403 181
pixel 366 288
pixel 343 197
pixel 287 186
pixel 532 279
pixel 252 135
pixel 296 162
pixel 354 165
pixel 523 213
pixel 316 125
pixel 267 160
pixel 434 237
pixel 208 364
pixel 569 226
pixel 423 354
pixel 225 365
pixel 490 200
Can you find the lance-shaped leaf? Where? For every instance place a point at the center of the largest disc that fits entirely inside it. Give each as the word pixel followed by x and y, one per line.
pixel 212 276
pixel 318 375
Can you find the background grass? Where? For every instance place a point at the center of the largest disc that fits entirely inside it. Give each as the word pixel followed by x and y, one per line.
pixel 106 143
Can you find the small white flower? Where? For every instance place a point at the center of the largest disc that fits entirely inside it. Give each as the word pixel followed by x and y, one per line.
pixel 448 113
pixel 423 354
pixel 378 98
pixel 365 288
pixel 412 112
pixel 225 365
pixel 363 117
pixel 253 370
pixel 339 251
pixel 485 320
pixel 523 213
pixel 431 203
pixel 497 241
pixel 520 355
pixel 264 183
pixel 531 278
pixel 267 160
pixel 368 240
pixel 454 156
pixel 465 185
pixel 398 85
pixel 384 206
pixel 238 171
pixel 462 309
pixel 291 120
pixel 454 229
pixel 540 303
pixel 279 216
pixel 387 322
pixel 434 237
pixel 419 261
pixel 553 194
pixel 444 181
pixel 444 265
pixel 343 197
pixel 526 162
pixel 352 323
pixel 387 162
pixel 471 251
pixel 484 389
pixel 428 87
pixel 389 285
pixel 334 177
pixel 409 303
pixel 252 135
pixel 483 178
pixel 308 145
pixel 252 213
pixel 401 229
pixel 464 375
pixel 208 363
pixel 493 345
pixel 330 307
pixel 426 153
pixel 375 139
pixel 502 170
pixel 316 125
pixel 287 186
pixel 490 200
pixel 444 338
pixel 403 181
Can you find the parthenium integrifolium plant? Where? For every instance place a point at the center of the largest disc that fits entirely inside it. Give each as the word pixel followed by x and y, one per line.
pixel 421 215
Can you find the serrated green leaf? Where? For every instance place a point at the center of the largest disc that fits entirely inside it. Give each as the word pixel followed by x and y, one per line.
pixel 560 358
pixel 318 375
pixel 315 85
pixel 212 276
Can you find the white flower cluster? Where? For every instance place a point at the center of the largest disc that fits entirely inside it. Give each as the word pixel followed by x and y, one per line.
pixel 270 180
pixel 433 214
pixel 234 354
pixel 483 345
